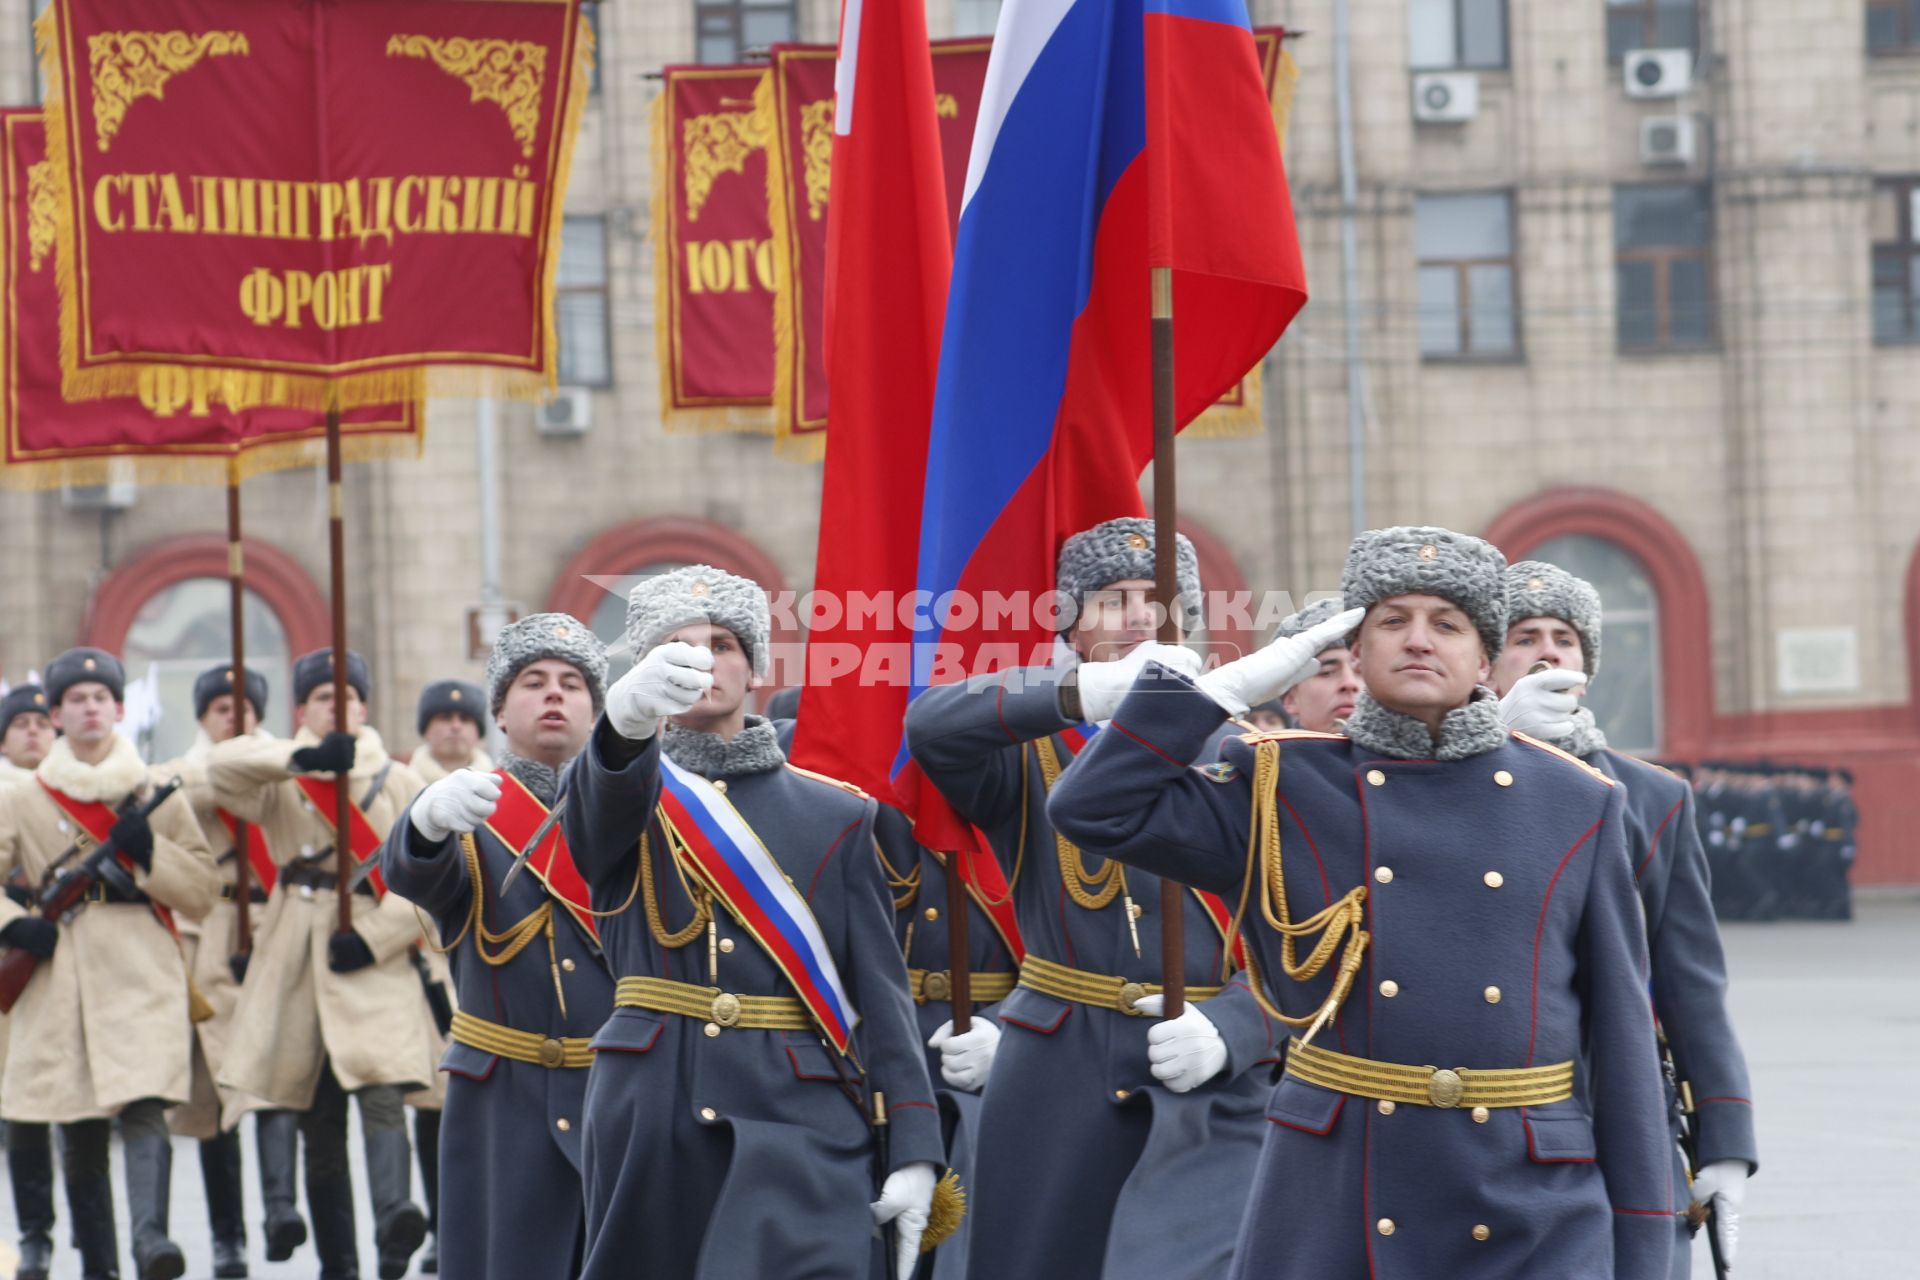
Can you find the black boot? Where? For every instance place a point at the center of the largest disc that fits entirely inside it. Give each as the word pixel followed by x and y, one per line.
pixel 399 1225
pixel 330 1204
pixel 226 1214
pixel 426 1153
pixel 149 1179
pixel 276 1139
pixel 30 1166
pixel 83 1150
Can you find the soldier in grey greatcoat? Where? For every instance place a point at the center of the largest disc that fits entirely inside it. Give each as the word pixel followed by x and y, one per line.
pixel 1444 912
pixel 1554 618
pixel 1100 1122
pixel 727 1107
pixel 532 982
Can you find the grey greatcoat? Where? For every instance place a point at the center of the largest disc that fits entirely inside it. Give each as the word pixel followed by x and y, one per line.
pixel 511 1206
pixel 736 1153
pixel 1083 1156
pixel 1505 933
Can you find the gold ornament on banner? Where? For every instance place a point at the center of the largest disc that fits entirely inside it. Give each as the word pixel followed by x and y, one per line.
pixel 43 211
pixel 816 146
pixel 718 143
pixel 946 106
pixel 511 73
pixel 138 64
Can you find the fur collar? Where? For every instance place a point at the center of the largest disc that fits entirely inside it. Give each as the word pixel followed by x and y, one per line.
pixel 431 770
pixel 1468 730
pixel 1587 739
pixel 112 780
pixel 543 780
pixel 755 749
pixel 11 773
pixel 369 753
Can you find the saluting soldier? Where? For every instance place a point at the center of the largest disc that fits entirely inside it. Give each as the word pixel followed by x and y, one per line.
pixel 1445 913
pixel 26 732
pixel 1331 690
pixel 450 722
pixel 101 1029
pixel 1100 1122
pixel 533 984
pixel 326 1013
pixel 762 1006
pixel 1555 618
pixel 25 736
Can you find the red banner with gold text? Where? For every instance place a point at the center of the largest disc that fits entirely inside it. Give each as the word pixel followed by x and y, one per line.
pixel 165 432
pixel 301 203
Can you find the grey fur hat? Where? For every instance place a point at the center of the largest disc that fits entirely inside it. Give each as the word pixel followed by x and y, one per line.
pixel 1424 560
pixel 1114 551
pixel 1311 616
pixel 1536 589
pixel 560 636
pixel 666 602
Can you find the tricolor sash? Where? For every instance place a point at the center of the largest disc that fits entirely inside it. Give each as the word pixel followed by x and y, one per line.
pixel 97 819
pixel 986 884
pixel 515 819
pixel 265 870
pixel 362 841
pixel 735 865
pixel 1077 736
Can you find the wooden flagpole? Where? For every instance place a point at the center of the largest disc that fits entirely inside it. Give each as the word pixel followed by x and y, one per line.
pixel 959 958
pixel 237 679
pixel 1166 590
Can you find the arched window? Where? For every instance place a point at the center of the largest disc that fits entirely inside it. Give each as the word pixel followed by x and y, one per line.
pixel 1626 699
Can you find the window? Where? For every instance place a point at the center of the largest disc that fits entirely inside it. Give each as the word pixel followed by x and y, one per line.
pixel 1651 24
pixel 580 304
pixel 725 29
pixel 1466 34
pixel 37 8
pixel 975 17
pixel 1896 261
pixel 1663 255
pixel 1465 246
pixel 1625 698
pixel 591 13
pixel 1893 26
pixel 180 631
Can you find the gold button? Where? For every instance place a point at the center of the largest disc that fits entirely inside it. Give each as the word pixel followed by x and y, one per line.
pixel 1386 1106
pixel 713 1029
pixel 1384 1226
pixel 1503 778
pixel 567 964
pixel 563 1124
pixel 1494 879
pixel 1383 874
pixel 1121 1095
pixel 1480 1115
pixel 1492 994
pixel 726 945
pixel 1480 1231
pixel 1389 988
pixel 1376 778
pixel 932 913
pixel 709 1114
pixel 720 785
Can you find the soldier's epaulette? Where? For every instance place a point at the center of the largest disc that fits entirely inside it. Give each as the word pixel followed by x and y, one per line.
pixel 1568 756
pixel 1259 736
pixel 829 780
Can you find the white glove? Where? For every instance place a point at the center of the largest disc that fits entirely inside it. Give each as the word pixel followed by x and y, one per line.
pixel 461 801
pixel 1104 684
pixel 1184 1052
pixel 905 1198
pixel 966 1059
pixel 1724 1185
pixel 667 682
pixel 1542 705
pixel 1265 674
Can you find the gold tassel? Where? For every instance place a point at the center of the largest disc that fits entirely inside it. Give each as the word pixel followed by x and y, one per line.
pixel 945 1214
pixel 198 1009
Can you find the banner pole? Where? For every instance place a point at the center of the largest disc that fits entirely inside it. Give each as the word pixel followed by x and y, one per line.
pixel 1166 590
pixel 337 558
pixel 236 577
pixel 959 957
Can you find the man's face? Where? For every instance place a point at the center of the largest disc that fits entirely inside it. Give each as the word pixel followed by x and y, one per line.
pixel 1328 694
pixel 1532 640
pixel 733 676
pixel 1419 654
pixel 87 713
pixel 451 739
pixel 218 722
pixel 548 712
pixel 1266 719
pixel 1115 620
pixel 28 739
pixel 316 713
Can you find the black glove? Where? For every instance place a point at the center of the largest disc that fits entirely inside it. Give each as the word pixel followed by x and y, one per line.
pixel 348 951
pixel 20 893
pixel 334 754
pixel 132 836
pixel 237 965
pixel 31 933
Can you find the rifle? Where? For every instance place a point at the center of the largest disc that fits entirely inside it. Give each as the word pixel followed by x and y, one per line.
pixel 65 895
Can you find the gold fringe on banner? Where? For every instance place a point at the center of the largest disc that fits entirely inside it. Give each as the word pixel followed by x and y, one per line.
pixel 792 445
pixel 1230 421
pixel 212 468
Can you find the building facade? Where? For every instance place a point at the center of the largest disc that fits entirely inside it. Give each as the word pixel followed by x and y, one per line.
pixel 1668 335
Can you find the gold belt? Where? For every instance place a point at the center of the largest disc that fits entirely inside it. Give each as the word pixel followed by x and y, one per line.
pixel 932 985
pixel 1101 990
pixel 520 1046
pixel 1430 1086
pixel 712 1005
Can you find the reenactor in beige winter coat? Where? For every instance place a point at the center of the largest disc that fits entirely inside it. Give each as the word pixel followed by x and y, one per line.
pixel 26 735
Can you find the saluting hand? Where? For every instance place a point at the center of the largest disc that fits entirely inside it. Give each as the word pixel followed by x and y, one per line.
pixel 668 681
pixel 1265 674
pixel 1542 705
pixel 459 802
pixel 1104 684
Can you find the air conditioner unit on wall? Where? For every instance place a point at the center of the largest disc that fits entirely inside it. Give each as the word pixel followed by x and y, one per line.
pixel 568 413
pixel 1669 140
pixel 1657 73
pixel 118 495
pixel 1445 97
